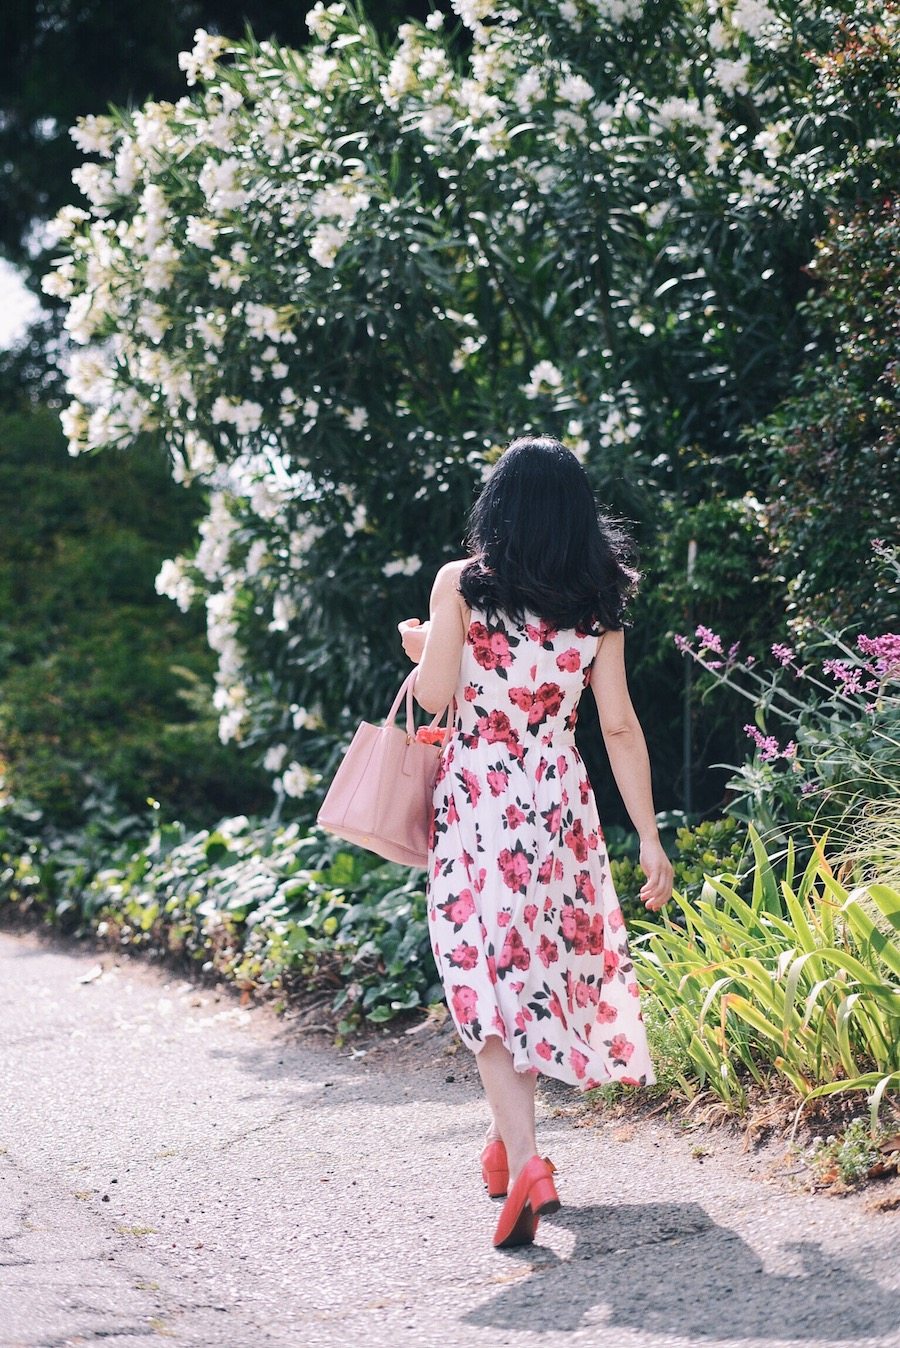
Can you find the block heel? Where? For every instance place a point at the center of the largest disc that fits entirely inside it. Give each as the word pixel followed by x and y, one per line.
pixel 494 1169
pixel 532 1196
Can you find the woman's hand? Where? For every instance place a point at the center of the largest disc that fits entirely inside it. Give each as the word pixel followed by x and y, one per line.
pixel 657 889
pixel 413 634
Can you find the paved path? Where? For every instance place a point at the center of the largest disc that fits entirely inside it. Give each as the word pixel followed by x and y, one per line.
pixel 176 1168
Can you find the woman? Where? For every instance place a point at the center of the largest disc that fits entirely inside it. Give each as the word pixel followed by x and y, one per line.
pixel 525 925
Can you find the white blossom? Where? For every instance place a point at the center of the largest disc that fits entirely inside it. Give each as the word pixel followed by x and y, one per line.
pixel 403 566
pixel 200 63
pixel 543 378
pixel 201 233
pixel 274 757
pixel 94 135
pixel 297 780
pixel 172 582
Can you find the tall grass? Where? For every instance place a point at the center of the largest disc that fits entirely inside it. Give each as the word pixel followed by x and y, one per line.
pixel 802 980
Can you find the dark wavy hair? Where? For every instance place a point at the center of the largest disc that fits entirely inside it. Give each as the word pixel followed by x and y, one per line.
pixel 539 544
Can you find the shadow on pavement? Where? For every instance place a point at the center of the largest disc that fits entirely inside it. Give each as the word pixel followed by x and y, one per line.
pixel 668 1268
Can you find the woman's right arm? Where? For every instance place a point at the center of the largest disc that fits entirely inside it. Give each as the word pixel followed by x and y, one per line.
pixel 445 635
pixel 630 763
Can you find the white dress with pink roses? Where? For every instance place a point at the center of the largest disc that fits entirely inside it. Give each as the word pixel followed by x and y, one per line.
pixel 525 925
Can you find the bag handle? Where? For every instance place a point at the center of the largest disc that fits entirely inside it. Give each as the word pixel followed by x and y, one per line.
pixel 406 688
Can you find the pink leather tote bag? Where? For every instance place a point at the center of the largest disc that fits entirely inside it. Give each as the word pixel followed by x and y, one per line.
pixel 381 794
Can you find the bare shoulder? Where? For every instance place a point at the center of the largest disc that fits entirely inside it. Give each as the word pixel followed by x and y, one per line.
pixel 447 579
pixel 446 597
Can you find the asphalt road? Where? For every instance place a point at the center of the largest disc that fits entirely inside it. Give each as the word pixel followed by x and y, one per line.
pixel 175 1167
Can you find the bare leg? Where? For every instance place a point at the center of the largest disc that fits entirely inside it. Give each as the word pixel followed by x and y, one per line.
pixel 511 1098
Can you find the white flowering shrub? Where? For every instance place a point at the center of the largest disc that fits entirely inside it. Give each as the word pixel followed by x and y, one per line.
pixel 335 281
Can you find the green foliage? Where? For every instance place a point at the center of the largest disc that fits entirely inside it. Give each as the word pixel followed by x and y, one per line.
pixel 714 847
pixel 830 452
pixel 104 686
pixel 802 979
pixel 274 909
pixel 849 1155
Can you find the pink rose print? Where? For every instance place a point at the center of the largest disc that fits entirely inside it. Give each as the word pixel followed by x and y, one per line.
pixel 461 908
pixel 514 954
pixel 471 785
pixel 498 1026
pixel 522 1019
pixel 544 1050
pixel 514 816
pixel 554 1006
pixel 606 1012
pixel 464 956
pixel 548 952
pixel 495 727
pixel 610 963
pixel 543 634
pixel 579 1063
pixel 584 789
pixel 582 993
pixel 491 962
pixel 576 840
pixel 552 818
pixel 504 917
pixel 562 767
pixel 465 1004
pixel 498 781
pixel 545 871
pixel 615 919
pixel 452 812
pixel 491 649
pixel 530 912
pixel 630 1081
pixel 620 1048
pixel 569 660
pixel 541 704
pixel 551 696
pixel 584 888
pixel 514 868
pixel 633 989
pixel 470 693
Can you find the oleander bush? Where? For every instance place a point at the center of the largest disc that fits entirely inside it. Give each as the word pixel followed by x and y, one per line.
pixel 334 282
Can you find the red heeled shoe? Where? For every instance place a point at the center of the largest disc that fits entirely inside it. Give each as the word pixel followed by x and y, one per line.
pixel 532 1196
pixel 495 1168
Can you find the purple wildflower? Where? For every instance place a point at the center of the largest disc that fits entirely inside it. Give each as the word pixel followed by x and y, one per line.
pixel 766 744
pixel 682 643
pixel 710 639
pixel 885 650
pixel 783 654
pixel 850 680
pixel 807 787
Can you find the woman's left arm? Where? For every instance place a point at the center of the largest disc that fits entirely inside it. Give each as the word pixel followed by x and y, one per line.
pixel 436 646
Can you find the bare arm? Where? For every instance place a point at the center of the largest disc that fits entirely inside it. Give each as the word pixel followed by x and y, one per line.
pixel 436 646
pixel 630 763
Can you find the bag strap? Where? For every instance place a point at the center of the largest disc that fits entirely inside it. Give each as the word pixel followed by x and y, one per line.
pixel 406 688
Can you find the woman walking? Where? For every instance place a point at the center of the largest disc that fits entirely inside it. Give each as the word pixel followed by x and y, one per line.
pixel 525 924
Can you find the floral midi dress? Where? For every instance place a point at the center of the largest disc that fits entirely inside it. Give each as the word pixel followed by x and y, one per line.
pixel 525 925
